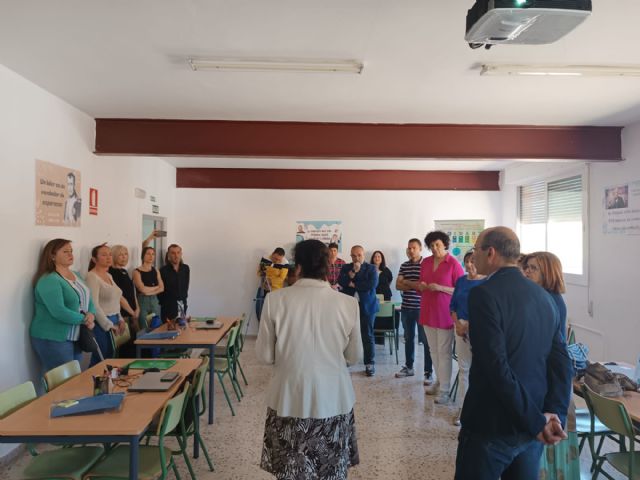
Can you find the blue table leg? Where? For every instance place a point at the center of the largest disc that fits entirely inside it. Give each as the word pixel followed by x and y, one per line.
pixel 212 376
pixel 133 458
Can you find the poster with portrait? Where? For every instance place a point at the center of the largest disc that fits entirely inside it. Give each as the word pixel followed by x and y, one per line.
pixel 621 209
pixel 463 235
pixel 327 231
pixel 58 201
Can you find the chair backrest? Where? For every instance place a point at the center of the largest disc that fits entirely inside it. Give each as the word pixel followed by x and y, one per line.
pixel 231 343
pixel 172 412
pixel 386 310
pixel 59 375
pixel 200 375
pixel 612 413
pixel 16 398
pixel 571 337
pixel 241 324
pixel 118 340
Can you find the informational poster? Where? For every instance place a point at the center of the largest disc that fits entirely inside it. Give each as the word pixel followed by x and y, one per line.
pixel 327 231
pixel 621 209
pixel 58 201
pixel 463 235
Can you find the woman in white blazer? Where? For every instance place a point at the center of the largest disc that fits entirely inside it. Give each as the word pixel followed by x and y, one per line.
pixel 310 333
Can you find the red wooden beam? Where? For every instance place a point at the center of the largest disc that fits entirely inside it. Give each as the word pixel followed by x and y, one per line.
pixel 349 140
pixel 335 179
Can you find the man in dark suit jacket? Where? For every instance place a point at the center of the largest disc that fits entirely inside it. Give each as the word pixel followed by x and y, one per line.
pixel 520 377
pixel 360 279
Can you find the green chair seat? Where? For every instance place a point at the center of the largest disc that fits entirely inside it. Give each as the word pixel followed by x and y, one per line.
pixel 69 463
pixel 154 461
pixel 64 463
pixel 620 461
pixel 116 465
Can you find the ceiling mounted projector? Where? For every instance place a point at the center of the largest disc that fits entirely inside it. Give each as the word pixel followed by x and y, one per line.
pixel 523 22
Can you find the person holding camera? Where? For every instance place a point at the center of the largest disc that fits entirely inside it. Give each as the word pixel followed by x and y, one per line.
pixel 273 272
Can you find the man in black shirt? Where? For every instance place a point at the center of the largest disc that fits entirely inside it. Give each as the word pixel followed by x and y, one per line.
pixel 175 275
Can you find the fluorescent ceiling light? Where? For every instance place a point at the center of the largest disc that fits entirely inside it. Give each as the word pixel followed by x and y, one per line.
pixel 562 70
pixel 276 65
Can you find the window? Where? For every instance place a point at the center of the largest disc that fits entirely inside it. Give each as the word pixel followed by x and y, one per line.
pixel 552 217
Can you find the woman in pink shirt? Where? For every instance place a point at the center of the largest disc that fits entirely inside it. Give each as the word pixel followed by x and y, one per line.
pixel 438 276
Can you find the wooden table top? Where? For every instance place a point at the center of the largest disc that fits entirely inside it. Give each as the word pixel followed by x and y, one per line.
pixel 193 336
pixel 631 401
pixel 135 414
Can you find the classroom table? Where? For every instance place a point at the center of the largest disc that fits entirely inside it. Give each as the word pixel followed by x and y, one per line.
pixel 190 337
pixel 631 400
pixel 32 423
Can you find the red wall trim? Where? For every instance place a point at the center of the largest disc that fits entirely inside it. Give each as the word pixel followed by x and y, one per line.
pixel 335 179
pixel 348 140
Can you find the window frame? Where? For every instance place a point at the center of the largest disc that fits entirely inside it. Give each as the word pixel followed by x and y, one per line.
pixel 583 172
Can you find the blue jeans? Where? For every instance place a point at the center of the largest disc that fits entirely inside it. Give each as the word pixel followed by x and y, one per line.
pixel 508 458
pixel 410 322
pixel 52 354
pixel 368 340
pixel 104 341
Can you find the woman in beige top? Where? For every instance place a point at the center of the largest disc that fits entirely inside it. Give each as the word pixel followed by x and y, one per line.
pixel 106 298
pixel 309 333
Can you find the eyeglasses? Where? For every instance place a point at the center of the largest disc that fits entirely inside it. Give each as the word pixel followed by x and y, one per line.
pixel 533 268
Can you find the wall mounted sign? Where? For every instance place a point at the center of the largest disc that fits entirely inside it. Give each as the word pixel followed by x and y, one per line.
pixel 58 201
pixel 621 209
pixel 327 231
pixel 462 233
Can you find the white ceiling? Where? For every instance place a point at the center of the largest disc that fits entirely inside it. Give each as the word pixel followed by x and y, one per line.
pixel 123 58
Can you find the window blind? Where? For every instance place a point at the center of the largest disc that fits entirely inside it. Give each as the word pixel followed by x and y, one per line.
pixel 533 203
pixel 565 200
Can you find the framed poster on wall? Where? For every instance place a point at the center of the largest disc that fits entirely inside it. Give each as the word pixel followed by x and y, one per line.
pixel 327 231
pixel 58 198
pixel 463 235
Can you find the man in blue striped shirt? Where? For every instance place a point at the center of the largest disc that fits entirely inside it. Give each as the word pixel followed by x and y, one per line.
pixel 407 281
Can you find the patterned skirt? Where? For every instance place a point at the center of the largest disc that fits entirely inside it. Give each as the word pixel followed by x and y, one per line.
pixel 309 448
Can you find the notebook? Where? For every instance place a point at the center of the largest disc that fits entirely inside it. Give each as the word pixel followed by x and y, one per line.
pixel 159 364
pixel 87 405
pixel 158 336
pixel 151 382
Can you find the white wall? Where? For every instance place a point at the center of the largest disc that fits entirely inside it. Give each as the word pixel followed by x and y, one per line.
pixel 610 329
pixel 224 232
pixel 37 125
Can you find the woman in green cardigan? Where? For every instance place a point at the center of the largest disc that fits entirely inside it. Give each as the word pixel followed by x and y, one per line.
pixel 62 304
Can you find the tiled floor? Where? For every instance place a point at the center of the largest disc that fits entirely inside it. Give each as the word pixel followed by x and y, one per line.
pixel 401 433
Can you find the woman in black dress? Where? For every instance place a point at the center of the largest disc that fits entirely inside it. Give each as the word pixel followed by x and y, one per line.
pixel 384 275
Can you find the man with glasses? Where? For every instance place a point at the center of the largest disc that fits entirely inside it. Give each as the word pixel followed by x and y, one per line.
pixel 520 377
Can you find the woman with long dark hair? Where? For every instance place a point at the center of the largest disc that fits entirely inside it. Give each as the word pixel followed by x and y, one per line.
pixel 62 303
pixel 310 426
pixel 384 275
pixel 149 284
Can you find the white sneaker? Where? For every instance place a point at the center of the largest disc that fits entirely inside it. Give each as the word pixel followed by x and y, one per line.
pixel 428 378
pixel 432 389
pixel 405 372
pixel 442 399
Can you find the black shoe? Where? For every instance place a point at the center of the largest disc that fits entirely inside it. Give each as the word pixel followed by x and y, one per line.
pixel 370 370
